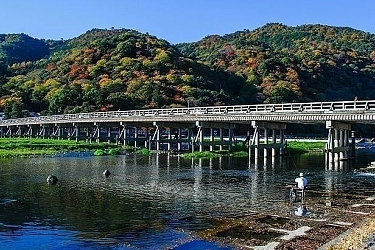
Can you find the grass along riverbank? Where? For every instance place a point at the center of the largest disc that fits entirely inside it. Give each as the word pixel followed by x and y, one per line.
pixel 293 148
pixel 301 147
pixel 25 147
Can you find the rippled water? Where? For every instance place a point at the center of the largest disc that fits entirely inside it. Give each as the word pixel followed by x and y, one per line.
pixel 149 202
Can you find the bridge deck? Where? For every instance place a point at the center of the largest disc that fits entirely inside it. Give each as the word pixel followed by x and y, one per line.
pixel 314 112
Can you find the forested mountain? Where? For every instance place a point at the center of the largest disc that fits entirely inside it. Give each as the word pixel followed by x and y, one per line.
pixel 287 64
pixel 125 69
pixel 20 47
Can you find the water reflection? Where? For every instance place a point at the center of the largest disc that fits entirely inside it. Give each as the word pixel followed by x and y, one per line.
pixel 301 210
pixel 154 201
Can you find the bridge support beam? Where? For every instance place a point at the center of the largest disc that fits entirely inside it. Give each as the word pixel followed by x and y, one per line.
pixel 277 143
pixel 157 133
pixel 212 127
pixel 42 131
pixel 337 147
pixel 123 133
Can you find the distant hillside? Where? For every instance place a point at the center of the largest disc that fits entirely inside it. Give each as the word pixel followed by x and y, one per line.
pixel 287 64
pixel 125 69
pixel 16 48
pixel 110 70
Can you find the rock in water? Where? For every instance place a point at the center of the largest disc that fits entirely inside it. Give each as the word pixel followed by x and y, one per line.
pixel 51 179
pixel 106 172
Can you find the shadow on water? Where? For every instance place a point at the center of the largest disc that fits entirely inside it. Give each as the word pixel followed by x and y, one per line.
pixel 158 201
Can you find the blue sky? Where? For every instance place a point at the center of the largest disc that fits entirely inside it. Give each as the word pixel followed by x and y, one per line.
pixel 176 20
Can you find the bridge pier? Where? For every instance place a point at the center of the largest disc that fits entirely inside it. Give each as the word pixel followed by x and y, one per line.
pixel 338 141
pixel 266 127
pixel 211 126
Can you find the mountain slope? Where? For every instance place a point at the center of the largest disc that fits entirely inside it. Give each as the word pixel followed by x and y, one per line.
pixel 16 48
pixel 286 64
pixel 125 69
pixel 110 70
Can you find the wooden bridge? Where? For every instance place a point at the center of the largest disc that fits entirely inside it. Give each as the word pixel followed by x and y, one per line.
pixel 177 127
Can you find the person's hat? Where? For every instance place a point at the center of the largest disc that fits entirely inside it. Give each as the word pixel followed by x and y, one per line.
pixel 300 174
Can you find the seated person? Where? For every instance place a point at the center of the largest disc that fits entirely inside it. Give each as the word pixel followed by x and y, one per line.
pixel 301 182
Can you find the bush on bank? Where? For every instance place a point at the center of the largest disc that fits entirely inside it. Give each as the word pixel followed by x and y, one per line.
pixel 300 147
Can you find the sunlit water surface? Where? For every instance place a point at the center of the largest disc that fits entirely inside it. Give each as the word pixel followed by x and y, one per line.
pixel 149 202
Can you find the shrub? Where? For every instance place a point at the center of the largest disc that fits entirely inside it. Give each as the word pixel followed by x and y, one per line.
pixel 99 152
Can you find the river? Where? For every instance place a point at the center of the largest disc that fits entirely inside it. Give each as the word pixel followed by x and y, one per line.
pixel 151 202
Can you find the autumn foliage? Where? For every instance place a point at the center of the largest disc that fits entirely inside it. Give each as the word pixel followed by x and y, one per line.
pixel 125 69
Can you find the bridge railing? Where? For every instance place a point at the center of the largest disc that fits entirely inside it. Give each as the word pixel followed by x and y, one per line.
pixel 313 107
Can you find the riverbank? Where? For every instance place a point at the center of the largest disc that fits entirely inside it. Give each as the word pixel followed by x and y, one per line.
pixel 25 147
pixel 31 147
pixel 348 223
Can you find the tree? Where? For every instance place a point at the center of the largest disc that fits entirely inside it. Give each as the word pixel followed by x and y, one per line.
pixel 13 107
pixel 283 92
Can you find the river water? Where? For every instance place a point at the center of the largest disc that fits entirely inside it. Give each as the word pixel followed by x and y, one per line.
pixel 150 202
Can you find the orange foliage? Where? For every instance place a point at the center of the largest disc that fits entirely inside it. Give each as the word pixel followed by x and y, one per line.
pixel 51 66
pixel 77 70
pixel 252 63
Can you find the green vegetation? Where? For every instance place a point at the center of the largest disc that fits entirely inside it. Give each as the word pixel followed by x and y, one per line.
pixel 125 69
pixel 99 152
pixel 111 151
pixel 204 154
pixel 22 147
pixel 293 148
pixel 143 151
pixel 299 147
pixel 277 63
pixel 236 151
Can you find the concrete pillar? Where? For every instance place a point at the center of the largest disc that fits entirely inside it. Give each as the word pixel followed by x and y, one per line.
pixel 336 144
pixel 231 135
pixel 109 134
pixel 257 142
pixel 265 150
pixel 43 132
pixel 30 132
pixel 282 140
pixel 157 137
pixel 146 136
pixel 273 142
pixel 346 142
pixel 249 145
pixel 88 139
pixel 169 138
pixel 59 132
pixel 136 137
pixel 337 140
pixel 97 134
pixel 76 132
pixel 212 139
pixel 352 144
pixel 191 139
pixel 201 139
pixel 341 143
pixel 179 137
pixel 331 146
pixel 221 138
